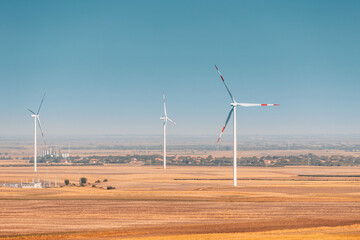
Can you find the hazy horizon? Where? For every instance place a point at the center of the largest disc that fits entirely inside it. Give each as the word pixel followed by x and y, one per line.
pixel 186 140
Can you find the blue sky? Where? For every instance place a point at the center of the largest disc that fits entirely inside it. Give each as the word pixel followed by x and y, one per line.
pixel 105 64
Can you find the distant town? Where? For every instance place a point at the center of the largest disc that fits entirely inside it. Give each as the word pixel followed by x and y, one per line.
pixel 265 161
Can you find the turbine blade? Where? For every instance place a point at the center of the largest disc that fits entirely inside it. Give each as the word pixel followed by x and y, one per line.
pixel 232 98
pixel 257 104
pixel 42 100
pixel 227 120
pixel 172 121
pixel 31 111
pixel 42 133
pixel 164 105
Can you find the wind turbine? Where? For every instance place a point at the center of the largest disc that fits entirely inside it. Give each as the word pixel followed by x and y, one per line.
pixel 164 125
pixel 234 104
pixel 37 119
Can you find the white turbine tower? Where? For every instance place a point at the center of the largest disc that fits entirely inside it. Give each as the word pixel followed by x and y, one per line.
pixel 164 125
pixel 234 104
pixel 37 119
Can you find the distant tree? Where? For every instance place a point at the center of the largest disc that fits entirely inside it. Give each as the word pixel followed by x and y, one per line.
pixel 105 180
pixel 83 181
pixel 67 182
pixel 110 187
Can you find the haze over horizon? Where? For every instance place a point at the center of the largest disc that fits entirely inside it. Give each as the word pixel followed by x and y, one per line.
pixel 105 65
pixel 141 141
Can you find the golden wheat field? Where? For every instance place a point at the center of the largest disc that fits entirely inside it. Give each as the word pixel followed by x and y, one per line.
pixel 181 202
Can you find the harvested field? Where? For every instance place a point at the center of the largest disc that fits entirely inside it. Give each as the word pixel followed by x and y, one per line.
pixel 183 203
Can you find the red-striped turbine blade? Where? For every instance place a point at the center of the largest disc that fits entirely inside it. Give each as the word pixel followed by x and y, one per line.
pixel 232 98
pixel 42 100
pixel 226 122
pixel 164 105
pixel 42 133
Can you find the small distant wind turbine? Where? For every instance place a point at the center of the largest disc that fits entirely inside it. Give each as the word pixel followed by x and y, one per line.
pixel 37 119
pixel 164 125
pixel 234 104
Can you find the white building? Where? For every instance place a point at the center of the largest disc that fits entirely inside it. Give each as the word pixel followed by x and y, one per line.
pixel 31 185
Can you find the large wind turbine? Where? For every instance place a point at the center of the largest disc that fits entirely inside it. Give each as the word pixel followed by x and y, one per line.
pixel 37 119
pixel 164 125
pixel 234 104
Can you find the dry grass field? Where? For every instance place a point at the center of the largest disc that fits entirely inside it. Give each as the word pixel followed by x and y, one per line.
pixel 182 203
